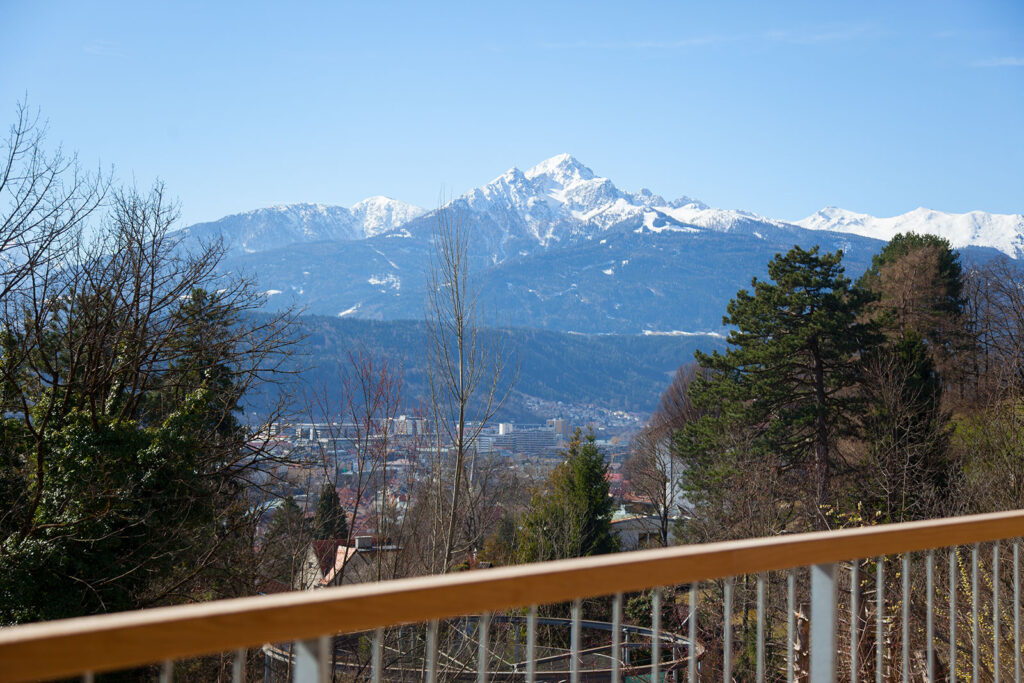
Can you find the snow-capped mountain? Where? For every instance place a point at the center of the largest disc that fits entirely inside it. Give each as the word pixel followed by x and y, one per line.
pixel 560 200
pixel 1004 232
pixel 561 248
pixel 278 226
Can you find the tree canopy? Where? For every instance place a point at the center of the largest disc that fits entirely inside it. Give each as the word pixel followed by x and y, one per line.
pixel 571 515
pixel 124 465
pixel 783 382
pixel 329 521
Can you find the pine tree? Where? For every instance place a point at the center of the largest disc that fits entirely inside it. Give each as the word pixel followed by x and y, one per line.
pixel 782 388
pixel 287 538
pixel 571 516
pixel 329 521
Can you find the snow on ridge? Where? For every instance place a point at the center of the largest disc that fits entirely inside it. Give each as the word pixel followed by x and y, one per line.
pixel 682 333
pixel 387 281
pixel 1004 232
pixel 379 214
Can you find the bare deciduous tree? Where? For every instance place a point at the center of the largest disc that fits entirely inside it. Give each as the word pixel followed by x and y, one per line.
pixel 126 336
pixel 48 198
pixel 467 381
pixel 653 468
pixel 361 426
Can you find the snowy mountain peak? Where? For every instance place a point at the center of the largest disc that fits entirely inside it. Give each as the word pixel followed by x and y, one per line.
pixel 563 169
pixel 561 199
pixel 1004 232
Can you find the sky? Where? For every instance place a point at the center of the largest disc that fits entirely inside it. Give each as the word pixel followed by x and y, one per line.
pixel 777 108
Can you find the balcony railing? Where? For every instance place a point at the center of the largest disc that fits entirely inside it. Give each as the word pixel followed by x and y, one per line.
pixel 884 603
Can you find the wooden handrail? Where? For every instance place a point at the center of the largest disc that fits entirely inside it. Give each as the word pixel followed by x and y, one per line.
pixel 116 641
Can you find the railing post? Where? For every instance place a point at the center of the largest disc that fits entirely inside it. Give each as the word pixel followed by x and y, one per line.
pixel 655 636
pixel 790 622
pixel 617 638
pixel 311 661
pixel 531 645
pixel 574 637
pixel 823 622
pixel 377 657
pixel 759 675
pixel 727 631
pixel 483 627
pixel 238 666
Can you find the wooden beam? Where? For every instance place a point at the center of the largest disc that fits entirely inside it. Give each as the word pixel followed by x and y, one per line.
pixel 116 641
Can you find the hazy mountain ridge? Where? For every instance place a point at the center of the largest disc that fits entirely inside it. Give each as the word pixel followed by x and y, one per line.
pixel 614 372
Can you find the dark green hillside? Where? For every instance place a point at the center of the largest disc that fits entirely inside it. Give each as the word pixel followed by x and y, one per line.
pixel 619 372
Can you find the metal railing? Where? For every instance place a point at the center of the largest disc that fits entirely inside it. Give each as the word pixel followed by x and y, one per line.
pixel 873 614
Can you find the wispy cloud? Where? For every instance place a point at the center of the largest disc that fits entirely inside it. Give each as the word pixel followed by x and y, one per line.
pixel 696 41
pixel 817 36
pixel 999 61
pixel 104 48
pixel 807 36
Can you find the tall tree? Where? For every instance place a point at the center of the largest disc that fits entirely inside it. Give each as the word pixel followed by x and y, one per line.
pixel 917 288
pixel 907 473
pixel 46 200
pixel 329 520
pixel 468 381
pixel 571 515
pixel 785 381
pixel 653 467
pixel 917 302
pixel 126 466
pixel 285 543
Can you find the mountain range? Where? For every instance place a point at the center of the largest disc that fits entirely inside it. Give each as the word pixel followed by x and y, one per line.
pixel 558 247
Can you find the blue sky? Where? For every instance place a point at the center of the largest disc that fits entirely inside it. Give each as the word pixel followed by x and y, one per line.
pixel 779 108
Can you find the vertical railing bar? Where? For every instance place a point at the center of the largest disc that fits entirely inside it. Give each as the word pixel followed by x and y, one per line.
pixel 616 637
pixel 976 636
pixel 656 636
pixel 238 666
pixel 88 677
pixel 930 616
pixel 1016 611
pixel 692 673
pixel 854 617
pixel 323 652
pixel 431 653
pixel 906 619
pixel 574 663
pixel 760 627
pixel 378 655
pixel 483 629
pixel 995 612
pixel 531 645
pixel 167 671
pixel 790 622
pixel 727 632
pixel 953 571
pixel 879 617
pixel 823 622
